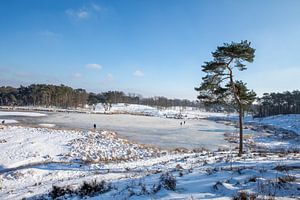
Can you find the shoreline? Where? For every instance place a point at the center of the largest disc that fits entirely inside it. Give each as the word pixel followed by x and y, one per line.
pixel 266 131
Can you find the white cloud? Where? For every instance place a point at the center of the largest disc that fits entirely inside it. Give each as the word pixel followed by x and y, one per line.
pixel 77 75
pixel 138 73
pixel 93 66
pixel 80 14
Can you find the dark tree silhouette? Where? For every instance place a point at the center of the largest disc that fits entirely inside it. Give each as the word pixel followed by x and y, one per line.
pixel 278 103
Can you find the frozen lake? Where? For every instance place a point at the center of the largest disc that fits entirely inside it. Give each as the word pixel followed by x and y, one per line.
pixel 161 132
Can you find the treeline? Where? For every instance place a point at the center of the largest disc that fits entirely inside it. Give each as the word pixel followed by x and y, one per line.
pixel 43 95
pixel 112 97
pixel 278 103
pixel 66 97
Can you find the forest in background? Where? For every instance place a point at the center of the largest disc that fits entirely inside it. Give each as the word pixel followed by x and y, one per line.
pixel 66 97
pixel 278 103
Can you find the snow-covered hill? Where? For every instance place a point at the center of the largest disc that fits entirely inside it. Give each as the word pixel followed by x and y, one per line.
pixel 289 122
pixel 172 112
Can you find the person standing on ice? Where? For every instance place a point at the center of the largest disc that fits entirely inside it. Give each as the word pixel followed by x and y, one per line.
pixel 95 126
pixel 3 122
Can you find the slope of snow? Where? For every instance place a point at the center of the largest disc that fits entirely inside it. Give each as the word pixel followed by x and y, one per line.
pixel 27 145
pixel 289 122
pixel 172 112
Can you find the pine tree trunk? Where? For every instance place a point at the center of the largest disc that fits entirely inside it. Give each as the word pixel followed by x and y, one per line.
pixel 241 130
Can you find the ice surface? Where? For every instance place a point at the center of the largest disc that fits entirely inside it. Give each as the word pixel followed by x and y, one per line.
pixel 158 131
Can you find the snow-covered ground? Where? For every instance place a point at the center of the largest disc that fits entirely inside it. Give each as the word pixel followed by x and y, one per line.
pixel 172 112
pixel 289 122
pixel 275 133
pixel 33 160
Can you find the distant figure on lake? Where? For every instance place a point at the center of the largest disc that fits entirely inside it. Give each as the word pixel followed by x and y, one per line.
pixel 3 122
pixel 95 126
pixel 180 123
pixel 183 122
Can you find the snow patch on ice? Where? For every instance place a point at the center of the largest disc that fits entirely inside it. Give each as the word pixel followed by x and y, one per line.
pixel 47 125
pixel 8 121
pixel 28 114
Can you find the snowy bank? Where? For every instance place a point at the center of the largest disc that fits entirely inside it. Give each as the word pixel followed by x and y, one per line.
pixel 289 122
pixel 8 121
pixel 27 114
pixel 171 112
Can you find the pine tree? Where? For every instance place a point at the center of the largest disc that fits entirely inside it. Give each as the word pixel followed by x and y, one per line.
pixel 219 85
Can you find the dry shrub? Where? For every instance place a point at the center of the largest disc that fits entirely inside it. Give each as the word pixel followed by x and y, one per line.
pixel 243 195
pixel 168 181
pixel 286 179
pixel 86 189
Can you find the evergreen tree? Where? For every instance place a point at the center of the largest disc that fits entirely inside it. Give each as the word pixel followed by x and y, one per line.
pixel 219 85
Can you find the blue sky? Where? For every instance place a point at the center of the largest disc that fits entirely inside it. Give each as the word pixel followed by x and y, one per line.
pixel 147 47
